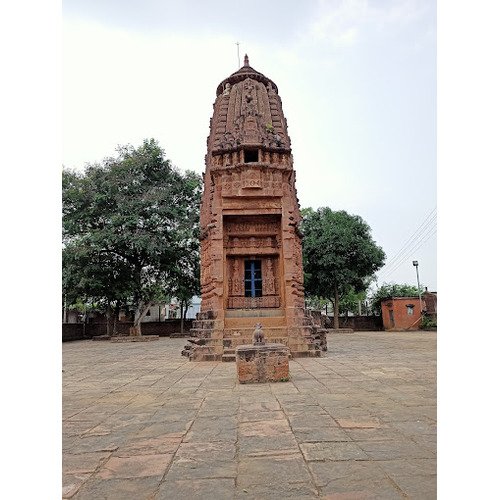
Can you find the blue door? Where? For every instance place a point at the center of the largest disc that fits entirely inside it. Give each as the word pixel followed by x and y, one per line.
pixel 253 278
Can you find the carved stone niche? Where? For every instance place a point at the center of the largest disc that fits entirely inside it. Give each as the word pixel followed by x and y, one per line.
pixel 251 179
pixel 237 299
pixel 250 225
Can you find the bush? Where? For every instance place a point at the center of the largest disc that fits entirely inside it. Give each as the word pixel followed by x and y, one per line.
pixel 428 322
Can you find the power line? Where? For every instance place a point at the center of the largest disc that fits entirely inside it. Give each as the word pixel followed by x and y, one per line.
pixel 411 248
pixel 430 235
pixel 425 237
pixel 430 218
pixel 421 235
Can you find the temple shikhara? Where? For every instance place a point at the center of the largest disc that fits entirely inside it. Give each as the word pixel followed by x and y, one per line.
pixel 251 253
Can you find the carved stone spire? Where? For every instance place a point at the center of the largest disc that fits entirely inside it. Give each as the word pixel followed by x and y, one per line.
pixel 248 111
pixel 245 61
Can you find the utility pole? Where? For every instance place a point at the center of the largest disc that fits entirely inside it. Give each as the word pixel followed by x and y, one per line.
pixel 415 263
pixel 238 51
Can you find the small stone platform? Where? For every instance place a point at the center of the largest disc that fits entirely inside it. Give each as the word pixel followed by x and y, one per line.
pixel 262 363
pixel 339 330
pixel 134 338
pixel 127 338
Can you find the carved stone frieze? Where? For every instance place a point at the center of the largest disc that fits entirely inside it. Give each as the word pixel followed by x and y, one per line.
pixel 253 302
pixel 255 181
pixel 246 242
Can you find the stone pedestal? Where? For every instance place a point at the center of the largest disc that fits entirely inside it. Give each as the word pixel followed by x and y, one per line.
pixel 262 363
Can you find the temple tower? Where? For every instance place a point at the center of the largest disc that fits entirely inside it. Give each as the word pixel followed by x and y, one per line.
pixel 251 253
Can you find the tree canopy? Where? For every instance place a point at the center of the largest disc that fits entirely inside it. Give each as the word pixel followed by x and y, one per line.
pixel 340 256
pixel 130 229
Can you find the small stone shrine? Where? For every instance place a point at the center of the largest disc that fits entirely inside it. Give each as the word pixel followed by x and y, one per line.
pixel 251 251
pixel 262 362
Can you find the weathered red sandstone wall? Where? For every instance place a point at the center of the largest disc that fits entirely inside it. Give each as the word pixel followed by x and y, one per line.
pixel 361 323
pixel 163 329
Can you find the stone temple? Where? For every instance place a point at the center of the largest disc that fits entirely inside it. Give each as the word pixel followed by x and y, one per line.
pixel 251 252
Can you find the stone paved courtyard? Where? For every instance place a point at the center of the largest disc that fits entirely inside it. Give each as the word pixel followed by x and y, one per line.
pixel 141 422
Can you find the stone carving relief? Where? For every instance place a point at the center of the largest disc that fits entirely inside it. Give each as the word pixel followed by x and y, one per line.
pixel 264 181
pixel 269 278
pixel 237 278
pixel 254 242
pixel 251 179
pixel 249 101
pixel 255 226
pixel 253 302
pixel 228 141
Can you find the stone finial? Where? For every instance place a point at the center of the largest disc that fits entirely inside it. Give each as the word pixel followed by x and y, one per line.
pixel 245 61
pixel 258 335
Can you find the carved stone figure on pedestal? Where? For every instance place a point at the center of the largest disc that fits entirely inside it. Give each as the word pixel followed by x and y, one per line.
pixel 258 335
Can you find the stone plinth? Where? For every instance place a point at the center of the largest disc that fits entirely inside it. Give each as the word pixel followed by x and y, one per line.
pixel 132 338
pixel 262 363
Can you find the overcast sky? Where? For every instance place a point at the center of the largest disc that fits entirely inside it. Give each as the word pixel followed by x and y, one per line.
pixel 357 81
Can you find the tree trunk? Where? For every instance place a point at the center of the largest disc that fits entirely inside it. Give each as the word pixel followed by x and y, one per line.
pixel 336 310
pixel 136 329
pixel 116 315
pixel 182 317
pixel 108 319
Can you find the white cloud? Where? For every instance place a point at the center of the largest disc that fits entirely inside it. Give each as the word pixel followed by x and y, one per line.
pixel 360 120
pixel 344 23
pixel 122 88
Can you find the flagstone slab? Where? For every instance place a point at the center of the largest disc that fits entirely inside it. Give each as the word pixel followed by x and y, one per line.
pixel 406 467
pixel 332 451
pixel 374 434
pixel 260 416
pixel 142 488
pixel 421 487
pixel 84 463
pixel 267 428
pixel 149 446
pixel 197 489
pixel 135 466
pixel 315 434
pixel 284 469
pixel 264 446
pixel 165 428
pixel 219 451
pixel 390 450
pixel 141 422
pixel 71 483
pixel 213 429
pixel 295 491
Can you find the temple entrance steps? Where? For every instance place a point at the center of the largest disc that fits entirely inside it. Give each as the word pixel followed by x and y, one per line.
pixel 300 343
pixel 247 318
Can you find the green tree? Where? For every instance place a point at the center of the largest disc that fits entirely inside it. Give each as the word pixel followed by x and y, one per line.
pixel 130 224
pixel 349 302
pixel 388 290
pixel 339 255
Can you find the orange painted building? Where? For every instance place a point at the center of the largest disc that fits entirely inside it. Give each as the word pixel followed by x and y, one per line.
pixel 401 313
